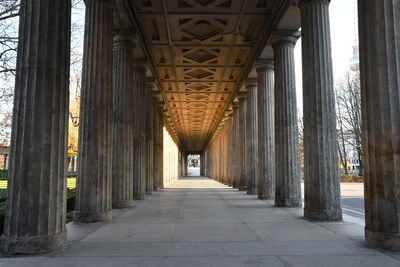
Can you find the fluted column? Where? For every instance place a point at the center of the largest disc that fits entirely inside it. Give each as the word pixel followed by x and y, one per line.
pixel 139 132
pixel 93 197
pixel 287 193
pixel 122 157
pixel 266 130
pixel 321 174
pixel 242 142
pixel 35 214
pixel 252 136
pixel 149 134
pixel 234 164
pixel 379 31
pixel 157 143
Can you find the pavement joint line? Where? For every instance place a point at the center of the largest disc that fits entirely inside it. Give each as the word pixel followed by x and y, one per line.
pixel 357 212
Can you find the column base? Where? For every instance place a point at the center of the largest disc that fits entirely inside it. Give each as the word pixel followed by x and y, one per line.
pixel 383 240
pixel 242 188
pixel 323 215
pixel 264 197
pixel 139 197
pixel 33 244
pixel 252 191
pixel 149 192
pixel 89 217
pixel 288 203
pixel 122 204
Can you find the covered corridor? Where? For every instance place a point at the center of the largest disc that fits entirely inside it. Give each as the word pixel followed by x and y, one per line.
pixel 199 222
pixel 162 79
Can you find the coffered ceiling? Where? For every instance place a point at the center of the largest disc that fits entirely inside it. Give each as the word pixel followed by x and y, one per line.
pixel 202 50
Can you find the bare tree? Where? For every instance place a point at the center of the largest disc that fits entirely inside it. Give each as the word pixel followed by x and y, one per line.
pixel 348 103
pixel 341 139
pixel 9 18
pixel 9 15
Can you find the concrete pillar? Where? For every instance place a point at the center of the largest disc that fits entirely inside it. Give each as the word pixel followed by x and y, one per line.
pixel 266 130
pixel 287 162
pixel 93 196
pixel 379 31
pixel 38 161
pixel 149 134
pixel 122 157
pixel 242 142
pixel 321 173
pixel 139 131
pixel 252 136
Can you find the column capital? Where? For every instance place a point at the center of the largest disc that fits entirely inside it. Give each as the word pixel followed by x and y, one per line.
pixel 140 64
pixel 157 96
pixel 109 2
pixel 150 83
pixel 307 2
pixel 125 36
pixel 263 65
pixel 288 37
pixel 241 94
pixel 251 83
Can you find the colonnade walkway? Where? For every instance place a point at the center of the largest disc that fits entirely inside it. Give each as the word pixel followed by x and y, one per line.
pixel 199 222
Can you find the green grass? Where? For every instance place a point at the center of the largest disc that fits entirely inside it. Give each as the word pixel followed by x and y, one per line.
pixel 3 174
pixel 71 193
pixel 3 195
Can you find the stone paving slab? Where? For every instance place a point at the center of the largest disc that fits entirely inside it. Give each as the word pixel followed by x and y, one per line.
pixel 199 222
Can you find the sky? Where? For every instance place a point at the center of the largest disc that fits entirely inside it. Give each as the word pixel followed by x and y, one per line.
pixel 342 21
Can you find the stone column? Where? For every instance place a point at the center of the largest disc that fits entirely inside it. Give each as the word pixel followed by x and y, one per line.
pixel 123 108
pixel 93 196
pixel 139 133
pixel 202 164
pixel 157 143
pixel 379 31
pixel 234 164
pixel 266 130
pixel 287 193
pixel 149 134
pixel 252 136
pixel 36 205
pixel 242 142
pixel 321 173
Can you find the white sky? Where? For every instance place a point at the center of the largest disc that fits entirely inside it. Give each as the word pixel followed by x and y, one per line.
pixel 342 38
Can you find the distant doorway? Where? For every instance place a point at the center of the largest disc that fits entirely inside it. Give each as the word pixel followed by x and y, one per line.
pixel 193 165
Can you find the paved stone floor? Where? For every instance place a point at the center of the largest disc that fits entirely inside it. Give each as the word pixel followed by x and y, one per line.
pixel 199 222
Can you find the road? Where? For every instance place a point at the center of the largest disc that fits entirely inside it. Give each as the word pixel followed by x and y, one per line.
pixel 352 197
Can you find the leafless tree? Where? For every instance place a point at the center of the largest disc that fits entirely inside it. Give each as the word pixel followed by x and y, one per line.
pixel 348 103
pixel 341 139
pixel 9 18
pixel 9 15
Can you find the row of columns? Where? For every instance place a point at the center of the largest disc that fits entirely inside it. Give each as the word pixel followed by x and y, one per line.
pixel 38 157
pixel 271 132
pixel 120 133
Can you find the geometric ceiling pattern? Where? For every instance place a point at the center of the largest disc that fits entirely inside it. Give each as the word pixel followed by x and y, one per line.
pixel 200 49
